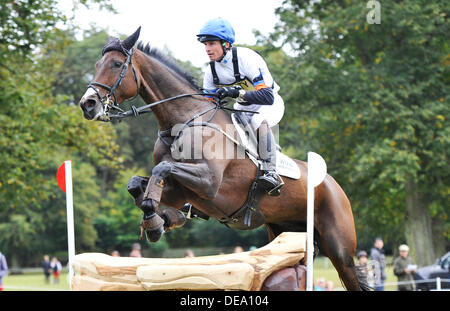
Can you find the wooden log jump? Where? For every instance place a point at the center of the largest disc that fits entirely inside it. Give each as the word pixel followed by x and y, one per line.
pixel 239 271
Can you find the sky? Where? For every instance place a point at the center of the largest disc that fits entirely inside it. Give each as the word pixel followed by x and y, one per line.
pixel 175 23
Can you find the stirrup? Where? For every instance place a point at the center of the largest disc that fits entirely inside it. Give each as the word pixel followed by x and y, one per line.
pixel 274 188
pixel 276 191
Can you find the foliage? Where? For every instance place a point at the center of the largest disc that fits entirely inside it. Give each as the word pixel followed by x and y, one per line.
pixel 373 100
pixel 38 133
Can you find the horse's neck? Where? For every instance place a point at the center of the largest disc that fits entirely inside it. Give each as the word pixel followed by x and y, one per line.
pixel 159 82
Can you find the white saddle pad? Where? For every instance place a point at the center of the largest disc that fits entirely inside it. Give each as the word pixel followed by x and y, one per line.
pixel 285 166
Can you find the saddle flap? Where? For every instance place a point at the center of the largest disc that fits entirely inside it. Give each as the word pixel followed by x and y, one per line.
pixel 247 137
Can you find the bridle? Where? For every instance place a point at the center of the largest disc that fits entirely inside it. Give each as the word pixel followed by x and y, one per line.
pixel 106 100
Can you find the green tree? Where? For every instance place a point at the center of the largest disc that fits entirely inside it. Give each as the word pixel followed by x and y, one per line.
pixel 373 99
pixel 38 133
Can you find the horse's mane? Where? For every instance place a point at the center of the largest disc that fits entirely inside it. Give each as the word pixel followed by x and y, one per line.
pixel 169 62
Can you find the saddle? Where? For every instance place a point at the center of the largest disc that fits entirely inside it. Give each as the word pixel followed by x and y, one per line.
pixel 247 137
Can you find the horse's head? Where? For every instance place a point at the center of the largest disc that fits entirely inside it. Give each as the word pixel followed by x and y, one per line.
pixel 113 82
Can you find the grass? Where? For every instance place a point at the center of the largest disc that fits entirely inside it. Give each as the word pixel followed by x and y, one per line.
pixel 34 282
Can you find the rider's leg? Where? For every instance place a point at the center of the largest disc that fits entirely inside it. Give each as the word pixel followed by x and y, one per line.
pixel 267 151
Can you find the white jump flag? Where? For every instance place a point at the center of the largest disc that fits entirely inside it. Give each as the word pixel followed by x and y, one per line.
pixel 64 179
pixel 317 170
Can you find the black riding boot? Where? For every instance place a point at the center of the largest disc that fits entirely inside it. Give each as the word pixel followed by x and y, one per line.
pixel 269 181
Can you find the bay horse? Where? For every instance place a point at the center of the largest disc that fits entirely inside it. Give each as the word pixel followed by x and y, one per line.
pixel 218 186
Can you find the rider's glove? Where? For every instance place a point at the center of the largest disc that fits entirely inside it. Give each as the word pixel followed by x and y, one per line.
pixel 228 91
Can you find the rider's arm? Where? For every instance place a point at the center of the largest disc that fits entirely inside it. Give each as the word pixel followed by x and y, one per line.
pixel 263 96
pixel 208 86
pixel 255 68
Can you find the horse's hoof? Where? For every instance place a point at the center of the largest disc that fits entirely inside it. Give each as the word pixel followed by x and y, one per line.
pixel 172 219
pixel 136 186
pixel 147 206
pixel 154 235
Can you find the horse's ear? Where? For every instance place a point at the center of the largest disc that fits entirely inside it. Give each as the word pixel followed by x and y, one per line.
pixel 110 39
pixel 129 42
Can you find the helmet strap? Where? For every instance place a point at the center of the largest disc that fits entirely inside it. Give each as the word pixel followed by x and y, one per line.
pixel 224 48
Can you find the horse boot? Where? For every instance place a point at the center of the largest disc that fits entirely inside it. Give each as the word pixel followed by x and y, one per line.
pixel 269 181
pixel 136 187
pixel 152 223
pixel 153 226
pixel 173 218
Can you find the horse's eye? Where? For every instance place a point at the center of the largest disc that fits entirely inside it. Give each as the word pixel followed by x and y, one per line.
pixel 117 64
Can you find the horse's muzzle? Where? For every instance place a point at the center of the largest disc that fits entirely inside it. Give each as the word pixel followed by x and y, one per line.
pixel 92 108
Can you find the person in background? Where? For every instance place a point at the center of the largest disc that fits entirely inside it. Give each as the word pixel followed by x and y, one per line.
pixel 47 268
pixel 136 250
pixel 320 284
pixel 377 255
pixel 189 253
pixel 362 264
pixel 3 269
pixel 329 286
pixel 238 249
pixel 115 253
pixel 56 267
pixel 404 268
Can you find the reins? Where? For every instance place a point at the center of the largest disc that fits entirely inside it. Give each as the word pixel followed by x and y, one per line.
pixel 136 111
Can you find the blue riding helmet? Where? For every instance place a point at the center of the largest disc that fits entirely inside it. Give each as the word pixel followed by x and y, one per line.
pixel 217 29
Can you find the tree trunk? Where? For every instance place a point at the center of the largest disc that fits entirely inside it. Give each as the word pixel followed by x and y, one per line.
pixel 437 229
pixel 418 226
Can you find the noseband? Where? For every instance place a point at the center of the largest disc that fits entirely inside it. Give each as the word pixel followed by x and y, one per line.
pixel 106 100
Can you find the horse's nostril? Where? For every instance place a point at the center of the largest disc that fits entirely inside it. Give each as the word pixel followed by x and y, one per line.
pixel 90 103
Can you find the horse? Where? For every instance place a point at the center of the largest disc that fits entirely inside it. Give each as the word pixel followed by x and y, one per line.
pixel 217 186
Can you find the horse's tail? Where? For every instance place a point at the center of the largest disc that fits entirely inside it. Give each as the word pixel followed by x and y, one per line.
pixel 362 279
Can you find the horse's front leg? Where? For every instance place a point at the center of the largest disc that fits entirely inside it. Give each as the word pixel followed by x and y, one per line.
pixel 148 192
pixel 171 197
pixel 198 177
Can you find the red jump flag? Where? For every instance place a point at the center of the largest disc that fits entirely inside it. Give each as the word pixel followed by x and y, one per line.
pixel 61 177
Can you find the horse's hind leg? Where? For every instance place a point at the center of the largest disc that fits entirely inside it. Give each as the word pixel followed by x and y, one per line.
pixel 340 252
pixel 334 221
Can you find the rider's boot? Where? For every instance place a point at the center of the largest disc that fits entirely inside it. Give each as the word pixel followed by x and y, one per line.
pixel 270 180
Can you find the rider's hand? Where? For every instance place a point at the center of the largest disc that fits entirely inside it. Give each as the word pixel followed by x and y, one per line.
pixel 228 91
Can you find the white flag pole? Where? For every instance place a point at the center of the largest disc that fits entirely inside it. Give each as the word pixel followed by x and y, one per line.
pixel 70 221
pixel 317 170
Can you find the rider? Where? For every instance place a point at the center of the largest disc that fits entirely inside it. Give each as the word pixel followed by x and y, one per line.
pixel 242 73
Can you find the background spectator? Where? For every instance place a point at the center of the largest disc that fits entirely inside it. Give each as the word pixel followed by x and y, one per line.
pixel 320 285
pixel 404 268
pixel 189 253
pixel 3 269
pixel 56 267
pixel 238 249
pixel 377 256
pixel 46 266
pixel 136 250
